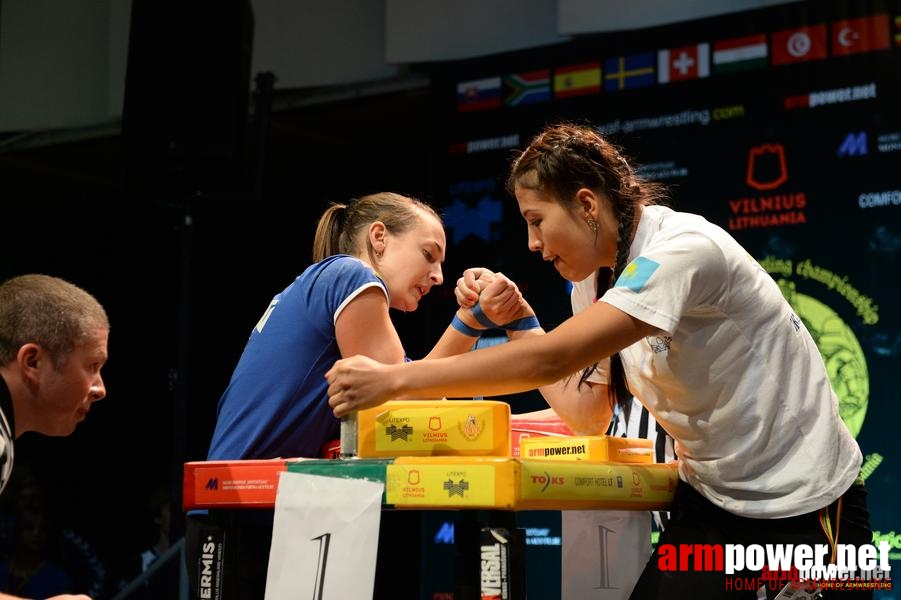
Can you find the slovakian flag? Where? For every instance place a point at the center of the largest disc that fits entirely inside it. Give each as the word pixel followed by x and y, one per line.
pixel 479 94
pixel 577 80
pixel 737 54
pixel 801 44
pixel 530 87
pixel 687 62
pixel 627 72
pixel 855 36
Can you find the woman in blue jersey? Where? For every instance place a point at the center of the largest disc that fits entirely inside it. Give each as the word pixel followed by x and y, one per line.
pixel 379 252
pixel 672 310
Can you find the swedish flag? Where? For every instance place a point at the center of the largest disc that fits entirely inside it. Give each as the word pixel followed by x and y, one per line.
pixel 628 72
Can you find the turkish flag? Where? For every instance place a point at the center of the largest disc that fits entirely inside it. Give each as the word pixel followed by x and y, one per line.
pixel 799 45
pixel 853 36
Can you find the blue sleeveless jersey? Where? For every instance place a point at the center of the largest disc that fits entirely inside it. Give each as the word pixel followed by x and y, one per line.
pixel 276 404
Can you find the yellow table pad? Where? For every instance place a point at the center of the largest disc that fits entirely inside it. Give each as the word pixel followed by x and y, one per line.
pixel 434 428
pixel 598 448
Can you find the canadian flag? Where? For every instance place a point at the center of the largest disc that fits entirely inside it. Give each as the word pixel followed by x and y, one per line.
pixel 853 36
pixel 687 62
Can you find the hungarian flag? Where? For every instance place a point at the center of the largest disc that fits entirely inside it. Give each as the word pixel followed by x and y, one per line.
pixel 855 36
pixel 801 44
pixel 737 54
pixel 687 62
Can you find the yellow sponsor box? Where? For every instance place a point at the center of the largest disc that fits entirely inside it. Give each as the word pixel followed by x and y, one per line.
pixel 598 448
pixel 555 485
pixel 434 428
pixel 452 482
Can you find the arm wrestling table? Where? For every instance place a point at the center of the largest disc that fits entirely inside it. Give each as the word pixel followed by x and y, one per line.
pixel 475 470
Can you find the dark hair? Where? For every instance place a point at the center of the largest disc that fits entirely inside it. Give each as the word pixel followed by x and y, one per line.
pixel 339 225
pixel 565 158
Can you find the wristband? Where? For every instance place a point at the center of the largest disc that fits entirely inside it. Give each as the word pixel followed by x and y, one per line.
pixel 465 329
pixel 523 324
pixel 482 318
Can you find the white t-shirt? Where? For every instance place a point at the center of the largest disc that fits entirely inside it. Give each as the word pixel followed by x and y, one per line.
pixel 733 375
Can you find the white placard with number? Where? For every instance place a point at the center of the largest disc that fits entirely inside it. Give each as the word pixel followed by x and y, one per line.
pixel 603 553
pixel 325 538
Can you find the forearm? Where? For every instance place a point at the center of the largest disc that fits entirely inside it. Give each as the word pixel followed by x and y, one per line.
pixel 544 414
pixel 499 370
pixel 516 366
pixel 528 363
pixel 453 341
pixel 514 334
pixel 584 408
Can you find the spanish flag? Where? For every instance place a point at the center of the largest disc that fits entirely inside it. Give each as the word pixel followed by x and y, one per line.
pixel 577 80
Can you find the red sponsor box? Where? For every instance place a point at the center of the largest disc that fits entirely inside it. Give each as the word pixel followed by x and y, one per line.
pixel 525 427
pixel 231 484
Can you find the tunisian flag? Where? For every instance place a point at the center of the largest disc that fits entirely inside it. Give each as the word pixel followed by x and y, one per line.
pixel 866 34
pixel 799 45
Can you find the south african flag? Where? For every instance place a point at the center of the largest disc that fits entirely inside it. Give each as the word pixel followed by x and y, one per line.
pixel 530 87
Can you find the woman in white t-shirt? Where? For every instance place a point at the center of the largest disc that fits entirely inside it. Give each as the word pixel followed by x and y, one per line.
pixel 695 329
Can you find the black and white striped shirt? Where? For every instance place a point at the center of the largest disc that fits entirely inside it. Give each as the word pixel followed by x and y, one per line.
pixel 7 436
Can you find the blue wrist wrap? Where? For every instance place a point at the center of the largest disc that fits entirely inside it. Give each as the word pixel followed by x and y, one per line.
pixel 523 324
pixel 482 318
pixel 465 329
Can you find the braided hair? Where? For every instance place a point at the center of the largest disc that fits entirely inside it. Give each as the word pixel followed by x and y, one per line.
pixel 565 158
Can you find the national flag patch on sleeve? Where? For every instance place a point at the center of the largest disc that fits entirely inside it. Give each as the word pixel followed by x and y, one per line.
pixel 637 273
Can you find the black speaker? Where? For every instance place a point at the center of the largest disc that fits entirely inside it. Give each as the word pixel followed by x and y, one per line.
pixel 187 87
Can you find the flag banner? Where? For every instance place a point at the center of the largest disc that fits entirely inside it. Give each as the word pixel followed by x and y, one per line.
pixel 628 72
pixel 531 87
pixel 479 94
pixel 687 62
pixel 801 44
pixel 856 36
pixel 577 80
pixel 736 54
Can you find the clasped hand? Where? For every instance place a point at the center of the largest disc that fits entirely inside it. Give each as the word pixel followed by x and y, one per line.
pixel 360 382
pixel 499 297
